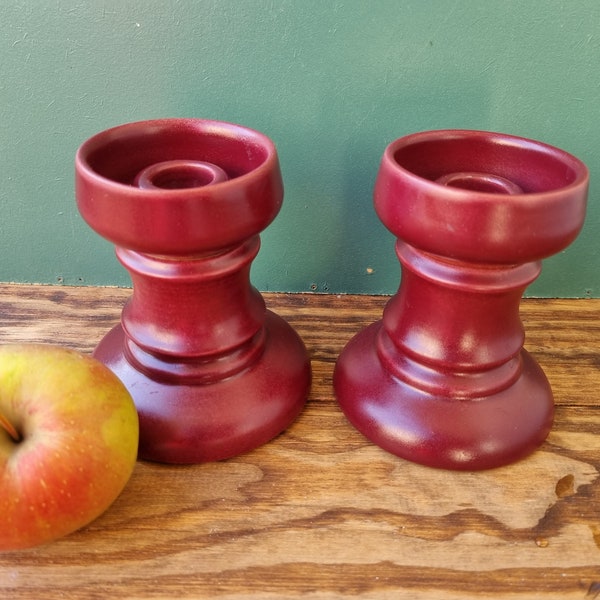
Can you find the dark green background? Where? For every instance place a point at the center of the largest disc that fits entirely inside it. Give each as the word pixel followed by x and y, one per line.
pixel 331 82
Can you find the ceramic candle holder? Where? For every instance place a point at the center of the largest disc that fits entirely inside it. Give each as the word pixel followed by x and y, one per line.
pixel 213 373
pixel 443 378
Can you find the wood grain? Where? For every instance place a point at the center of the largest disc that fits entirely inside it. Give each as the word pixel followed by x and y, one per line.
pixel 320 513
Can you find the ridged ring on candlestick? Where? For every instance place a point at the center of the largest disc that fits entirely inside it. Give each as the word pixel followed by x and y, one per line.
pixel 179 174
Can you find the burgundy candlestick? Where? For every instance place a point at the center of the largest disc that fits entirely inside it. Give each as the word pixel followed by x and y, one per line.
pixel 212 372
pixel 443 378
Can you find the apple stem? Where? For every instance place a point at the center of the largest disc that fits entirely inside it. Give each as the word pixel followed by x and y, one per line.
pixel 8 426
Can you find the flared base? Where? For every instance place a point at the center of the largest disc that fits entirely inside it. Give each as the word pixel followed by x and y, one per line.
pixel 469 433
pixel 217 420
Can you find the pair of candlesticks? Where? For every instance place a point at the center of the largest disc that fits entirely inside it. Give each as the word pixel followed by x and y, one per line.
pixel 442 379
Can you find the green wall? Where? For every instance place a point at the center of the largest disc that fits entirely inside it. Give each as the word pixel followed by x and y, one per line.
pixel 332 82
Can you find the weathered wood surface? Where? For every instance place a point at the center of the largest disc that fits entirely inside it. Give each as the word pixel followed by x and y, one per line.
pixel 320 513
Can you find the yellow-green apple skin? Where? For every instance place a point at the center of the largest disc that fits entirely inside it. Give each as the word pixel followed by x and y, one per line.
pixel 78 443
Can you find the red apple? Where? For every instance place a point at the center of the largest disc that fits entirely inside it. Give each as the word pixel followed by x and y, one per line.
pixel 68 442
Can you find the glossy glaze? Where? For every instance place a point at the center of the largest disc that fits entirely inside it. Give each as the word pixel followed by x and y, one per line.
pixel 213 373
pixel 443 378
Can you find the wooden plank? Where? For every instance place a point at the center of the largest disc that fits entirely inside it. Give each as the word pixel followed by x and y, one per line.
pixel 320 513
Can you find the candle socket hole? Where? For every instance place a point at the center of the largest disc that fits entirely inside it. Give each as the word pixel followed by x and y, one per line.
pixel 178 175
pixel 480 182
